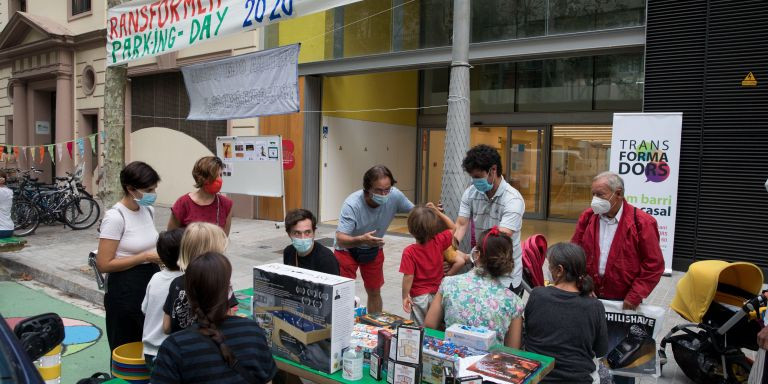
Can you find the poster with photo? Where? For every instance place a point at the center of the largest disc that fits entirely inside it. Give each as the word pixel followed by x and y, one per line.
pixel 227 170
pixel 631 338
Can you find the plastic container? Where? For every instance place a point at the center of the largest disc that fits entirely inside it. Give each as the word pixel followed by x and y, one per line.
pixel 128 363
pixel 352 366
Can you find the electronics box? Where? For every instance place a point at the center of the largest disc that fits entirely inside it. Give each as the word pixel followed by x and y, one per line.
pixel 307 316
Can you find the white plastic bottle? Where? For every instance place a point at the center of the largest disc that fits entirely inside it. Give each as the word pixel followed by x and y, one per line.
pixel 352 362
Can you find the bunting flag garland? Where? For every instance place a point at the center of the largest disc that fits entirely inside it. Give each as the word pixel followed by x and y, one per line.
pixel 81 146
pixel 50 152
pixel 92 139
pixel 37 152
pixel 103 135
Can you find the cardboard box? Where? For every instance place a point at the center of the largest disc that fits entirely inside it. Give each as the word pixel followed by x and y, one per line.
pixel 390 371
pixel 307 316
pixel 473 337
pixel 409 340
pixel 385 320
pixel 383 344
pixel 407 373
pixel 439 355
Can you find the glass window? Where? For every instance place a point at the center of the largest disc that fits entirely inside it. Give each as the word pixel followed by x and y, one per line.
pixel 619 13
pixel 435 90
pixel 531 18
pixel 619 82
pixel 555 85
pixel 492 88
pixel 80 6
pixel 373 33
pixel 571 16
pixel 579 153
pixel 436 23
pixel 493 20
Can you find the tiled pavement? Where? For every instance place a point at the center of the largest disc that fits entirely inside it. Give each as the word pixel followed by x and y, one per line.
pixel 57 256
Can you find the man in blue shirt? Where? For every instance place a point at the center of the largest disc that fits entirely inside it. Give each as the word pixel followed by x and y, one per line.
pixel 364 219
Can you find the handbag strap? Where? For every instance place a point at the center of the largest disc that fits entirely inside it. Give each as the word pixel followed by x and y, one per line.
pixel 247 376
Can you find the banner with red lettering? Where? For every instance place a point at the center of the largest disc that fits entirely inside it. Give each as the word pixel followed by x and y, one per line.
pixel 146 28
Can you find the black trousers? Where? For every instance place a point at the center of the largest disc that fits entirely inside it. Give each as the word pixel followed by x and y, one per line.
pixel 122 304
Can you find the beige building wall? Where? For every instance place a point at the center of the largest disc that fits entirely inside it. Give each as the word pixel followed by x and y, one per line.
pixel 5 101
pixel 58 11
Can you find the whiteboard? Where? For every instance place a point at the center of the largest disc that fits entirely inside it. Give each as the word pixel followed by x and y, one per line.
pixel 253 165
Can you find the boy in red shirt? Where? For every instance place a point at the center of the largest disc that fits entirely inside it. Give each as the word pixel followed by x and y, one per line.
pixel 422 263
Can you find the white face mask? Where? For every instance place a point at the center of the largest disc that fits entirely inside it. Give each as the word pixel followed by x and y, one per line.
pixel 600 206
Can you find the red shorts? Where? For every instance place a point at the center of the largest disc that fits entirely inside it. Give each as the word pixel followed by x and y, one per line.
pixel 372 273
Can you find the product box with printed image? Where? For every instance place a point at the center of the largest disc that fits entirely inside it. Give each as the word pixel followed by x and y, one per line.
pixel 307 316
pixel 473 337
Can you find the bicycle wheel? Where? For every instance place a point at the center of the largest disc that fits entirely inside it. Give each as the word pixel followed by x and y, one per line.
pixel 25 218
pixel 82 213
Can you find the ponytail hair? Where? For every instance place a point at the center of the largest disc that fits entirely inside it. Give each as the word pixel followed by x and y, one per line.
pixel 574 262
pixel 495 253
pixel 207 281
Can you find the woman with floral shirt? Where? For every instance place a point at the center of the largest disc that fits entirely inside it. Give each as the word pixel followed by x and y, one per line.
pixel 478 298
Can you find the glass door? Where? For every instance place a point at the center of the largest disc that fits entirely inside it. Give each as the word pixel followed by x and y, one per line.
pixel 525 169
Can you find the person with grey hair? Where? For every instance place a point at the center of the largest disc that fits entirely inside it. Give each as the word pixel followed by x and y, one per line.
pixel 621 243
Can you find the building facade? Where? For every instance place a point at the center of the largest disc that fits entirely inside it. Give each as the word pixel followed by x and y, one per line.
pixel 547 77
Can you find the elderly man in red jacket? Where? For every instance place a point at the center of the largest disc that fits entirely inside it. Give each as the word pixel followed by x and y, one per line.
pixel 621 243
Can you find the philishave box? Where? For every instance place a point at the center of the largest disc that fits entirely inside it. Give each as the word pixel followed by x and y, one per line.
pixel 308 316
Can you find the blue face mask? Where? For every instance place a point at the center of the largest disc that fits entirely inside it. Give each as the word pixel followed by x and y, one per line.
pixel 482 184
pixel 147 199
pixel 379 199
pixel 302 245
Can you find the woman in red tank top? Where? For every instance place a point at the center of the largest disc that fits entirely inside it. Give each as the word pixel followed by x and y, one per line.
pixel 205 204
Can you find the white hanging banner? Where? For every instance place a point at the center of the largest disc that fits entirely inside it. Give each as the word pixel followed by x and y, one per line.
pixel 254 84
pixel 146 28
pixel 645 152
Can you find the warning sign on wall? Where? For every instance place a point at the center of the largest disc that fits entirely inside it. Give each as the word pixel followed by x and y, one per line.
pixel 749 81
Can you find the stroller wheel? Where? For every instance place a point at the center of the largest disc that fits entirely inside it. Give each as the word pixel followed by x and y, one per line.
pixel 740 368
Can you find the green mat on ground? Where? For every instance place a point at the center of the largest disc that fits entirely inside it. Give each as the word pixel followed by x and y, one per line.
pixel 12 240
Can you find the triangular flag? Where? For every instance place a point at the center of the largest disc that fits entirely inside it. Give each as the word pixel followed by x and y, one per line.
pixel 60 150
pixel 24 152
pixel 2 149
pixel 69 148
pixel 92 139
pixel 103 135
pixel 16 152
pixel 32 153
pixel 50 152
pixel 81 146
pixel 42 154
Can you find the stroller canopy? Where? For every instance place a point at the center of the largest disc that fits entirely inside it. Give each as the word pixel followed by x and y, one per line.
pixel 698 287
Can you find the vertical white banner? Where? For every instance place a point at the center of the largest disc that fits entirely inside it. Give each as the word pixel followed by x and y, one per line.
pixel 645 152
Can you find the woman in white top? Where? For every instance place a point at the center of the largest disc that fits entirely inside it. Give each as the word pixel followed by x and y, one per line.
pixel 127 253
pixel 6 202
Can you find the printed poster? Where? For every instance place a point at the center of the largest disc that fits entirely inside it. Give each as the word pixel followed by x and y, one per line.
pixel 645 152
pixel 632 339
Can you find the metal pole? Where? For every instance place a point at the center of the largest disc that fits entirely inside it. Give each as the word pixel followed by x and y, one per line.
pixel 455 180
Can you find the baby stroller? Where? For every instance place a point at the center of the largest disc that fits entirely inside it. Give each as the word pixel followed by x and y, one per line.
pixel 724 301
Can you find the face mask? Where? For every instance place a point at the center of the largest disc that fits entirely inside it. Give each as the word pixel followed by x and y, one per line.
pixel 548 276
pixel 600 206
pixel 302 245
pixel 379 199
pixel 213 187
pixel 147 199
pixel 482 184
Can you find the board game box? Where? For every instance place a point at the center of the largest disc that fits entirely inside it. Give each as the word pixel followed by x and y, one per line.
pixel 506 367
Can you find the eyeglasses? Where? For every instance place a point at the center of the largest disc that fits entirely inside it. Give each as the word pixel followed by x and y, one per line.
pixel 380 191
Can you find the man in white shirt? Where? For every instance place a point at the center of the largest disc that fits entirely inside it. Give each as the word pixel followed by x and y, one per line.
pixel 490 201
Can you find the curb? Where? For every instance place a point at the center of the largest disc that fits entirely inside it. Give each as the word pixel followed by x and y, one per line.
pixel 90 294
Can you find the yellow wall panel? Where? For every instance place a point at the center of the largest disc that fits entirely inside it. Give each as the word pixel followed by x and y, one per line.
pixel 373 91
pixel 307 31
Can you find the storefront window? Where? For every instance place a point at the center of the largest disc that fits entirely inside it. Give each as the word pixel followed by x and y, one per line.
pixel 578 154
pixel 567 16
